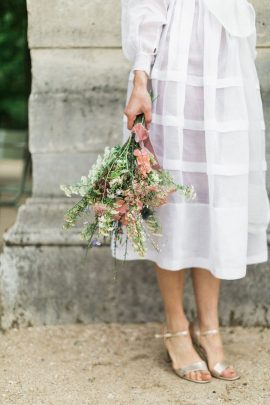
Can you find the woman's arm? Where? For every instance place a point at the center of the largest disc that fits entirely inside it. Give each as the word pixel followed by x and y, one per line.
pixel 142 22
pixel 140 101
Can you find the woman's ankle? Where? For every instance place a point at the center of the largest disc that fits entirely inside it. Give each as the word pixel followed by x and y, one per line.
pixel 176 323
pixel 208 323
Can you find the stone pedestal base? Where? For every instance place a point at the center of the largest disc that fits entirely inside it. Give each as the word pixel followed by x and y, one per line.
pixel 47 278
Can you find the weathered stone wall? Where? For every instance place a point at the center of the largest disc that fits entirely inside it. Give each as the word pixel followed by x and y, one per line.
pixel 75 108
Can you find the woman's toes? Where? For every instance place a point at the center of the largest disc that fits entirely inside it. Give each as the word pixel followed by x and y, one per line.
pixel 192 375
pixel 206 376
pixel 229 372
pixel 198 376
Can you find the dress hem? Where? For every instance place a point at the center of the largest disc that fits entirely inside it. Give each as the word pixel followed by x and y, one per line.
pixel 233 274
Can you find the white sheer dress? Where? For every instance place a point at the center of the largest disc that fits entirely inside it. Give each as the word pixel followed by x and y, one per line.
pixel 207 130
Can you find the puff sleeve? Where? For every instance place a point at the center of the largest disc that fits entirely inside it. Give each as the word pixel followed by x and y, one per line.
pixel 142 22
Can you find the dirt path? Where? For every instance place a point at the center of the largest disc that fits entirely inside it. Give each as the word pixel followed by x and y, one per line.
pixel 122 364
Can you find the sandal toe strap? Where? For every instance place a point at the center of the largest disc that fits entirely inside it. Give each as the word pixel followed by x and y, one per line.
pixel 197 366
pixel 221 366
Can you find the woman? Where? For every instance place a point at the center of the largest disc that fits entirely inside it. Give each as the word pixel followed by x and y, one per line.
pixel 207 129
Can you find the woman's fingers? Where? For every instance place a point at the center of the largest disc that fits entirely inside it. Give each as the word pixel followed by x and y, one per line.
pixel 139 103
pixel 148 118
pixel 131 118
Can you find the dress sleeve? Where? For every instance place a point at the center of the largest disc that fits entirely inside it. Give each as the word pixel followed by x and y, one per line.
pixel 142 22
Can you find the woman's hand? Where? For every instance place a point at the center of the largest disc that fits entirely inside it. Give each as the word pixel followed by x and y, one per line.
pixel 140 100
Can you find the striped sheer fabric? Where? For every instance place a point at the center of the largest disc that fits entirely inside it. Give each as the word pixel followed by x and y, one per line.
pixel 207 130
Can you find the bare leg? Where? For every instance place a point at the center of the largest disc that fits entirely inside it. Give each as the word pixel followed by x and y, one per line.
pixel 171 284
pixel 206 288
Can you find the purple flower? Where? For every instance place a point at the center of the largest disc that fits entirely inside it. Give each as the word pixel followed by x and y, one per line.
pixel 95 243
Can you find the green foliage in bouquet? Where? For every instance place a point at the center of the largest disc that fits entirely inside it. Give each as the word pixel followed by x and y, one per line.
pixel 123 188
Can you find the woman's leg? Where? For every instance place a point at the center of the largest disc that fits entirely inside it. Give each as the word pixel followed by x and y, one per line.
pixel 206 289
pixel 171 284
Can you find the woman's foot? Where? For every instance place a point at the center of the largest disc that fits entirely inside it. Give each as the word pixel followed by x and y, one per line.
pixel 182 353
pixel 212 344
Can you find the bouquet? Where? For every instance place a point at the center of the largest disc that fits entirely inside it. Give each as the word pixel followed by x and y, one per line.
pixel 123 189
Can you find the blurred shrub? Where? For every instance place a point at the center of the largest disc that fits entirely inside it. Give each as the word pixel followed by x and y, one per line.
pixel 14 64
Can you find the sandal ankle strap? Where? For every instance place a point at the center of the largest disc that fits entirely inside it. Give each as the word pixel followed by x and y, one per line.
pixel 172 334
pixel 198 332
pixel 208 332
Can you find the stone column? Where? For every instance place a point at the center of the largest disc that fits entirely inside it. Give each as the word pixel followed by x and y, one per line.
pixel 75 109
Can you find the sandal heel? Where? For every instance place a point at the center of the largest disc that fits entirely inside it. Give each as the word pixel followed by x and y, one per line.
pixel 167 357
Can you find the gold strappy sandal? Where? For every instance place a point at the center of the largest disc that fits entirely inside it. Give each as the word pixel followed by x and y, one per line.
pixel 195 366
pixel 220 366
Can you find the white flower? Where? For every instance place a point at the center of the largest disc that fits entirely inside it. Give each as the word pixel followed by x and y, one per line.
pixel 84 180
pixel 66 190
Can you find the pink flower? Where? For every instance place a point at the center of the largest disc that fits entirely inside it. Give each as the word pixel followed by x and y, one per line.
pixel 139 152
pixel 100 208
pixel 140 132
pixel 120 202
pixel 152 188
pixel 124 219
pixel 143 161
pixel 122 210
pixel 122 207
pixel 116 217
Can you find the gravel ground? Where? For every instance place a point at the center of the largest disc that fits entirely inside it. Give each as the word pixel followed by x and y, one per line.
pixel 122 364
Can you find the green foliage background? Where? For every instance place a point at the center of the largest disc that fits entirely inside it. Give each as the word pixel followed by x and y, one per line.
pixel 15 68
